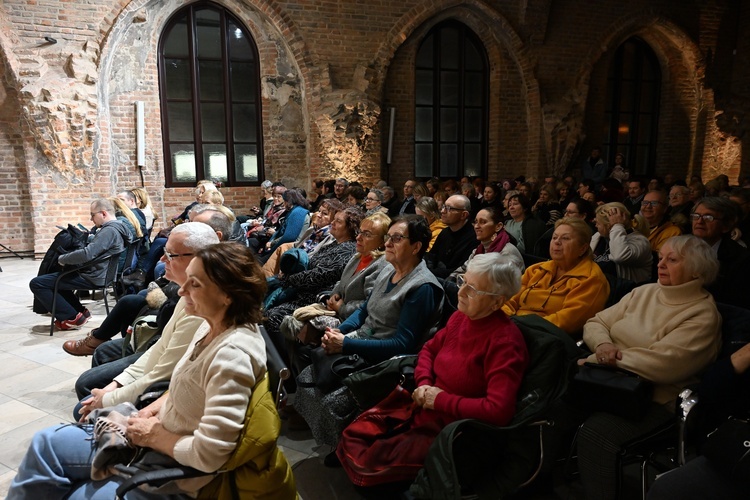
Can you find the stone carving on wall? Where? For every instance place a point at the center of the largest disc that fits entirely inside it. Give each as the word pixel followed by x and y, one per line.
pixel 347 121
pixel 60 105
pixel 563 126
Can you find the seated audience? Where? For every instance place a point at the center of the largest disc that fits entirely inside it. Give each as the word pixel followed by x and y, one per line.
pixel 115 379
pixel 314 238
pixel 199 421
pixel 713 219
pixel 525 228
pixel 577 208
pixel 570 288
pixel 374 202
pixel 294 224
pixel 406 301
pixel 471 369
pixel 454 244
pixel 680 207
pixel 428 208
pixel 636 192
pixel 546 208
pixel 356 281
pixel 621 247
pixel 666 332
pixel 492 196
pixel 111 238
pixel 654 210
pixel 323 271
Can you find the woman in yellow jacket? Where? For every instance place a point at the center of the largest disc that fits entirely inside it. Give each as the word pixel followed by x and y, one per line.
pixel 570 288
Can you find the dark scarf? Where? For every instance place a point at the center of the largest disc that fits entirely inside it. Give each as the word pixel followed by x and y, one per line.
pixel 501 239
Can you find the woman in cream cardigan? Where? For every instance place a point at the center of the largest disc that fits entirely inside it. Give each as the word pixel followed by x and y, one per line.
pixel 666 332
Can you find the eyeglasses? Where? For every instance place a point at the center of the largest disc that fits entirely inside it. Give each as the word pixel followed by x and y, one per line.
pixel 652 204
pixel 705 217
pixel 94 213
pixel 461 282
pixel 448 208
pixel 171 256
pixel 394 238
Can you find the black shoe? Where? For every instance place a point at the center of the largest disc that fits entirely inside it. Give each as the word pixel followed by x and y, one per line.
pixel 332 460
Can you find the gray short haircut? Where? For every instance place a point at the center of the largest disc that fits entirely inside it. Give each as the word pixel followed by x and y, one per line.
pixel 378 193
pixel 197 235
pixel 343 181
pixel 217 219
pixel 700 259
pixel 104 204
pixel 388 189
pixel 503 273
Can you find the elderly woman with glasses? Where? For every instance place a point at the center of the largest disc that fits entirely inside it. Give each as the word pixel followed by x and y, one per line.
pixel 471 369
pixel 374 203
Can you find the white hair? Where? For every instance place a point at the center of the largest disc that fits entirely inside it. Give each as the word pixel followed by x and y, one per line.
pixel 503 273
pixel 197 235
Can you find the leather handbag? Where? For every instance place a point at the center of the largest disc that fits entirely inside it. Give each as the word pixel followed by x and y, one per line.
pixel 611 389
pixel 371 385
pixel 329 371
pixel 728 449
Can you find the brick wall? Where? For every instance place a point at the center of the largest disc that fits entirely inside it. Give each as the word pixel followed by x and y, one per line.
pixel 67 127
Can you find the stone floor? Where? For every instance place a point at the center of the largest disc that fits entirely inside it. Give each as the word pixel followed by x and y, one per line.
pixel 36 387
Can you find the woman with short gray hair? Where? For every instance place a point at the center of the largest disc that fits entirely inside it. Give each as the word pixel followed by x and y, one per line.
pixel 472 368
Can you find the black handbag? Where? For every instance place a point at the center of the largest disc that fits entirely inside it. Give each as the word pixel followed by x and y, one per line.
pixel 328 371
pixel 611 389
pixel 373 384
pixel 728 449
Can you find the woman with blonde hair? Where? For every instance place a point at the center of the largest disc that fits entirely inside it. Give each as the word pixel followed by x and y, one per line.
pixel 428 208
pixel 568 289
pixel 144 203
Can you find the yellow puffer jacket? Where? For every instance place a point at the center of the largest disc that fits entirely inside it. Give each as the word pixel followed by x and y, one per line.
pixel 257 467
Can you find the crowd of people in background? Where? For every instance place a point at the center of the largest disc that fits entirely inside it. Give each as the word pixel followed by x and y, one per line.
pixel 396 264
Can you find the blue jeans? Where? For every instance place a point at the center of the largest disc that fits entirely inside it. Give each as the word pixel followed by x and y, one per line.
pixel 67 305
pixel 58 465
pixel 147 262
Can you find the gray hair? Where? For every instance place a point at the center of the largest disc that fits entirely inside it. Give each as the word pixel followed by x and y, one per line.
pixel 502 272
pixel 378 193
pixel 700 259
pixel 729 210
pixel 218 220
pixel 388 189
pixel 104 204
pixel 197 235
pixel 343 181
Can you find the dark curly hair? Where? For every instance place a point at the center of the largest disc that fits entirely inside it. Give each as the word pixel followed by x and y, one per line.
pixel 234 269
pixel 353 217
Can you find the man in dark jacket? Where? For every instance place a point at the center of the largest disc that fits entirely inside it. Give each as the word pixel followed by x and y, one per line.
pixel 455 243
pixel 111 239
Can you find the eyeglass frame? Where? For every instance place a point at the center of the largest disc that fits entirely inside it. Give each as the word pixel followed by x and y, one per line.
pixel 395 237
pixel 705 217
pixel 448 208
pixel 171 256
pixel 651 203
pixel 461 282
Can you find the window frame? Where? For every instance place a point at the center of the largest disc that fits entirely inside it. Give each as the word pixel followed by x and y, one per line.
pixel 465 35
pixel 225 17
pixel 644 54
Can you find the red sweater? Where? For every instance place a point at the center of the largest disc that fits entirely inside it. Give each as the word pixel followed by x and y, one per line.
pixel 478 364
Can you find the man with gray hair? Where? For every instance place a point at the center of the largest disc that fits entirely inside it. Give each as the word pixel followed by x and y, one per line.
pixel 455 243
pixel 339 189
pixel 111 238
pixel 126 378
pixel 213 216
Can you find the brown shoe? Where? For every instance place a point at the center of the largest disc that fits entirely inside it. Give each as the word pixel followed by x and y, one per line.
pixel 82 347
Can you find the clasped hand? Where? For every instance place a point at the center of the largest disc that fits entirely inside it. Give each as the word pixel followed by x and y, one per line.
pixel 425 395
pixel 332 341
pixel 143 431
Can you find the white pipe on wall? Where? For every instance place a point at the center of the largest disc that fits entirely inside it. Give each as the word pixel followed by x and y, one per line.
pixel 390 135
pixel 140 125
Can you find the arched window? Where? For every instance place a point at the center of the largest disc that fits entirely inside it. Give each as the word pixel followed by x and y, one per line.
pixel 210 99
pixel 633 90
pixel 450 134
